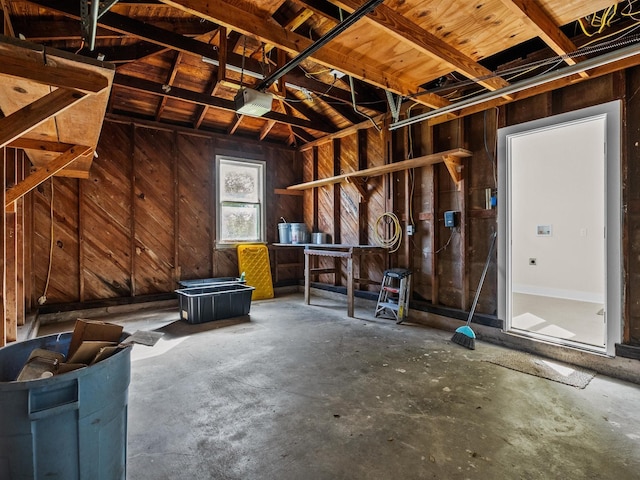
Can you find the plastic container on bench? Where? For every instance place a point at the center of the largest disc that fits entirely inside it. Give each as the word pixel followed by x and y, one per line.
pixel 214 302
pixel 71 426
pixel 202 282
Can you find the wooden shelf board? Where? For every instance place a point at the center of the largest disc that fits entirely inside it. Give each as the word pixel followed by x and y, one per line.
pixel 383 169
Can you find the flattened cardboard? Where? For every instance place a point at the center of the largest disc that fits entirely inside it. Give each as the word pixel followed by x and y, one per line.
pixel 104 353
pixel 93 330
pixel 88 350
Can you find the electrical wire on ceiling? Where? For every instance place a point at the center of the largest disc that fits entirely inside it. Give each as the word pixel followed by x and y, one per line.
pixel 630 13
pixel 530 66
pixel 594 46
pixel 598 22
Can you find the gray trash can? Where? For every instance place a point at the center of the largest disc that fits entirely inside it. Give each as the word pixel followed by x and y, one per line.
pixel 71 426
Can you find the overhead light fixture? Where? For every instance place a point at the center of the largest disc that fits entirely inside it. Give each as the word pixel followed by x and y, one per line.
pixel 252 102
pixel 589 64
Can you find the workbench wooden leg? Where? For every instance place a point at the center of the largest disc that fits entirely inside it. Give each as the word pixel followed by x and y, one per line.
pixel 350 287
pixel 307 279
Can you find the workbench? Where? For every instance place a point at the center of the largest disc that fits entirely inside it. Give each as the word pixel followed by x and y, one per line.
pixel 336 251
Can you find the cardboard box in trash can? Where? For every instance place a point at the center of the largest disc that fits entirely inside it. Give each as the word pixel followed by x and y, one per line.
pixel 214 302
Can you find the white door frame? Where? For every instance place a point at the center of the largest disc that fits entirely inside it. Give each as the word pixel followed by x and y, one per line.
pixel 613 216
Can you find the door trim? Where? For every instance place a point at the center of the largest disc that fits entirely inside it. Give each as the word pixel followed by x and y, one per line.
pixel 613 216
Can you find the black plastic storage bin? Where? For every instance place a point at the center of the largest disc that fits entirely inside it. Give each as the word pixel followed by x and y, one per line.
pixel 203 282
pixel 214 302
pixel 71 426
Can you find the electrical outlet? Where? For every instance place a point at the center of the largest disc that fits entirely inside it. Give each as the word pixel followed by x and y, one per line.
pixel 410 229
pixel 533 261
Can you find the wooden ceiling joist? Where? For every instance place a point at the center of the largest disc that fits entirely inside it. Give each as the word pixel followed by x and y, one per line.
pixel 166 39
pixel 27 118
pixel 236 18
pixel 40 145
pixel 170 79
pixel 43 173
pixel 295 22
pixel 544 88
pixel 8 25
pixel 406 31
pixel 545 28
pixel 176 93
pixel 54 75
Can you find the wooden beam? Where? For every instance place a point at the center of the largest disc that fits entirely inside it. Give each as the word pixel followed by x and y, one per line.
pixel 266 128
pixel 454 165
pixel 173 71
pixel 284 191
pixel 345 132
pixel 8 25
pixel 358 183
pixel 190 96
pixel 292 24
pixel 221 75
pixel 32 115
pixel 388 168
pixel 337 201
pixel 218 11
pixel 3 240
pixel 61 29
pixel 171 40
pixel 292 138
pixel 406 31
pixel 20 240
pixel 235 125
pixel 310 113
pixel 61 76
pixel 537 19
pixel 41 145
pixel 11 246
pixel 43 173
pixel 546 87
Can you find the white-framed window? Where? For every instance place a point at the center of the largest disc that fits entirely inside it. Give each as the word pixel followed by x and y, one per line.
pixel 240 208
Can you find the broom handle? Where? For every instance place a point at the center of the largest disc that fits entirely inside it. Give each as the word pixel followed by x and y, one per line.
pixel 484 274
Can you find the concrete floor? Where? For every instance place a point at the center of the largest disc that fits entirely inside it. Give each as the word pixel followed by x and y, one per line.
pixel 304 392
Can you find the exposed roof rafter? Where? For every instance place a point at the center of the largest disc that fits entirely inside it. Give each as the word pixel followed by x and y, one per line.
pixel 235 18
pixel 545 28
pixel 406 31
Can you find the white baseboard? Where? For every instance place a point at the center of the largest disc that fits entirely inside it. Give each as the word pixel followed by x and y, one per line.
pixel 558 293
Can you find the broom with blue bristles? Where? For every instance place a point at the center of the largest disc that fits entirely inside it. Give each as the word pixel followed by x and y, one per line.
pixel 465 336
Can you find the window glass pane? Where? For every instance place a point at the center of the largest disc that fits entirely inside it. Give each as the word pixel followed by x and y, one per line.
pixel 239 222
pixel 239 183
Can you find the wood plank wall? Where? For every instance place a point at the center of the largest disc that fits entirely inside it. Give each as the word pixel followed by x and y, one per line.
pixel 145 218
pixel 447 264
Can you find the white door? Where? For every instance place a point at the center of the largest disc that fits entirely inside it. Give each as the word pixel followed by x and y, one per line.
pixel 559 261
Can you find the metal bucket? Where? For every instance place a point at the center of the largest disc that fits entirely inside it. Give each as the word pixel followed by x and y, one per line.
pixel 284 232
pixel 299 233
pixel 318 238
